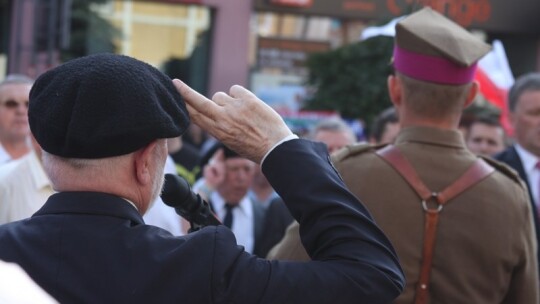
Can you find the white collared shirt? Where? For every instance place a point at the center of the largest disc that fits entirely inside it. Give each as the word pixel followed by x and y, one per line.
pixel 529 161
pixel 161 215
pixel 4 156
pixel 24 188
pixel 242 225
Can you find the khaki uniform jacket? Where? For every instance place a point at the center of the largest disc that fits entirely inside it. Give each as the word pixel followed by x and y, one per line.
pixel 485 251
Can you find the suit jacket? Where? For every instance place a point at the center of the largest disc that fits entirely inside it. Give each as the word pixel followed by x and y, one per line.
pixel 87 247
pixel 275 222
pixel 257 218
pixel 511 158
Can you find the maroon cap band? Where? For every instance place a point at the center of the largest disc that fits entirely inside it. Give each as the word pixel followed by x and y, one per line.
pixel 431 68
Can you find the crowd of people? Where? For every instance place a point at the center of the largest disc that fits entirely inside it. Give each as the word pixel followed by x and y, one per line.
pixel 428 210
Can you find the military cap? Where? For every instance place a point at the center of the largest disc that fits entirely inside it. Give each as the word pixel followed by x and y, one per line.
pixel 432 48
pixel 104 105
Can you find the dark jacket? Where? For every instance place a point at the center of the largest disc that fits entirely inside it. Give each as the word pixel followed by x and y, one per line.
pixel 85 247
pixel 511 158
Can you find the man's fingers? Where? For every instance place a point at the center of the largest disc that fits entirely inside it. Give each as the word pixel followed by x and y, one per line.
pixel 192 98
pixel 221 98
pixel 200 119
pixel 238 91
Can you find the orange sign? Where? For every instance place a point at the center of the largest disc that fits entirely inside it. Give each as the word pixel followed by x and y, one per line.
pixel 501 16
pixel 464 12
pixel 363 6
pixel 296 3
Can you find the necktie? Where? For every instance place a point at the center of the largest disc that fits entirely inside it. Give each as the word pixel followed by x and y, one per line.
pixel 227 221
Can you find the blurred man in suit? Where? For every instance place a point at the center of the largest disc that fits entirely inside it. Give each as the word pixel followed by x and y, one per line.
pixel 524 155
pixel 228 177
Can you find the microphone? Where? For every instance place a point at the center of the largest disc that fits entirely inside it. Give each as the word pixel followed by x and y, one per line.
pixel 177 194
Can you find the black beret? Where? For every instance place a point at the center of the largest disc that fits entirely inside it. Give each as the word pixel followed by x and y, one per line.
pixel 104 105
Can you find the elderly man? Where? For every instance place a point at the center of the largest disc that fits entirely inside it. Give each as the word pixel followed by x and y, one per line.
pixel 462 228
pixel 102 122
pixel 227 180
pixel 524 155
pixel 14 130
pixel 334 133
pixel 230 200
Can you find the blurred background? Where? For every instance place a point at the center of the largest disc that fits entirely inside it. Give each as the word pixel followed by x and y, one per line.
pixel 309 59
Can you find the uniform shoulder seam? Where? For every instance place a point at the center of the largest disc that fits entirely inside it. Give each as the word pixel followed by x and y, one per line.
pixel 504 169
pixel 355 149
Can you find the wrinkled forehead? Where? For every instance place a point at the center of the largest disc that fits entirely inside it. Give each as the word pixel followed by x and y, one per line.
pixel 238 162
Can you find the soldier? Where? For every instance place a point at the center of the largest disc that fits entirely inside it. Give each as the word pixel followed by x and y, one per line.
pixel 465 242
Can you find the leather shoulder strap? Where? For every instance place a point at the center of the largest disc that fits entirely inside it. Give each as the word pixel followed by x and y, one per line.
pixel 477 172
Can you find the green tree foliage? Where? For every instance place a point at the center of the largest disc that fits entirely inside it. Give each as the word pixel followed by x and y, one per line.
pixel 90 33
pixel 352 79
pixel 4 25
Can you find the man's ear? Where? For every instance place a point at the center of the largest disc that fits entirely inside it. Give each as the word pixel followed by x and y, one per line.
pixel 395 90
pixel 475 86
pixel 512 118
pixel 143 161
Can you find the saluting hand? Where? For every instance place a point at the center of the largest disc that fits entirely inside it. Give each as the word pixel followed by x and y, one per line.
pixel 239 119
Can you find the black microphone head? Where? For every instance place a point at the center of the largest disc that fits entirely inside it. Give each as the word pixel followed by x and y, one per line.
pixel 176 191
pixel 177 194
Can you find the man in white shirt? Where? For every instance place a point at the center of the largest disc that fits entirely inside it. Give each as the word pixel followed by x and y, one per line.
pixel 14 129
pixel 24 186
pixel 163 216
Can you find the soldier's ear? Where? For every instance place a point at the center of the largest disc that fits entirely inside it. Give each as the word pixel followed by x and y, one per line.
pixel 475 86
pixel 395 90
